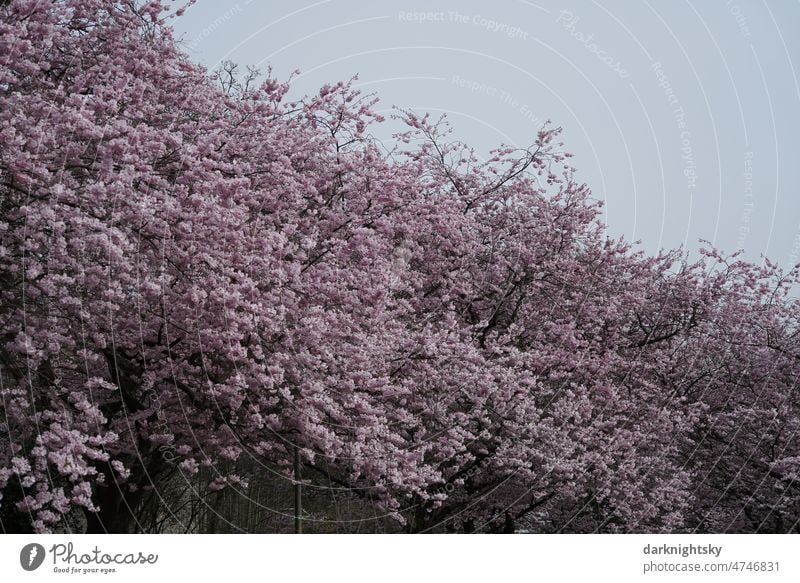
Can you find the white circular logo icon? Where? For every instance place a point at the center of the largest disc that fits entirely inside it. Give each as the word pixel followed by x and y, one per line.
pixel 31 556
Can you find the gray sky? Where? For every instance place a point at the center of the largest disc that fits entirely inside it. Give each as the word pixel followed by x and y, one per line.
pixel 684 116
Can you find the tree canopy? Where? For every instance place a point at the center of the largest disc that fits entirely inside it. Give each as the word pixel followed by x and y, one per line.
pixel 196 269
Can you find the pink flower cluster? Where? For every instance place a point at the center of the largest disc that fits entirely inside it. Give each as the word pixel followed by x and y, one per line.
pixel 197 265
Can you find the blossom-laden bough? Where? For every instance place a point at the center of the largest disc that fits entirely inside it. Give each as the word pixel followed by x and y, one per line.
pixel 195 269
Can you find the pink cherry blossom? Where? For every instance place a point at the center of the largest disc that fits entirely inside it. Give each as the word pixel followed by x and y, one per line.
pixel 196 269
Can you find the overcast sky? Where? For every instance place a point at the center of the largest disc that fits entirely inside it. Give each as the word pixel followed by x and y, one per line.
pixel 684 116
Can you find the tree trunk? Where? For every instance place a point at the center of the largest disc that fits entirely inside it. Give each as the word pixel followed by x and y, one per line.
pixel 509 527
pixel 116 513
pixel 117 504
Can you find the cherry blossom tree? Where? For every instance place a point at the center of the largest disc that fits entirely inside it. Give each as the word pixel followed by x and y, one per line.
pixel 197 269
